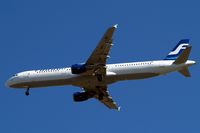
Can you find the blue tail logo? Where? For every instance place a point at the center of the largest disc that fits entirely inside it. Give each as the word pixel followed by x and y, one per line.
pixel 173 55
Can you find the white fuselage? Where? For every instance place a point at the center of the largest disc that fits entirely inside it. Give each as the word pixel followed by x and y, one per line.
pixel 115 72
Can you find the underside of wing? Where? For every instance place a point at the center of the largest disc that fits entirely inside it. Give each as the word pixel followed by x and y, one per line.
pixel 101 52
pixel 108 101
pixel 96 63
pixel 102 94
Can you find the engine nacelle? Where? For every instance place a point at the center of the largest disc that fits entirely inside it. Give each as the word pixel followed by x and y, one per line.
pixel 82 96
pixel 78 68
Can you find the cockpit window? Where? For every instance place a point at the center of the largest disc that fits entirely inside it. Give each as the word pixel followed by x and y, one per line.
pixel 16 75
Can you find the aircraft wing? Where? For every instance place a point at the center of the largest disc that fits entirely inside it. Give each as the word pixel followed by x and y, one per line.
pixel 102 94
pixel 101 52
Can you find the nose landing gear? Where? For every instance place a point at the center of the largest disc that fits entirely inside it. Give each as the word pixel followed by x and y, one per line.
pixel 27 92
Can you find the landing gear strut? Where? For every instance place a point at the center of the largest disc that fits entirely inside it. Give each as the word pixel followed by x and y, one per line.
pixel 27 92
pixel 101 96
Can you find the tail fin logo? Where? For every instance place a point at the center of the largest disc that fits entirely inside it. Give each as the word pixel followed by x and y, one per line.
pixel 179 48
pixel 183 44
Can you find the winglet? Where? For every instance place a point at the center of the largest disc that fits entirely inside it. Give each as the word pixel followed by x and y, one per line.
pixel 119 108
pixel 115 26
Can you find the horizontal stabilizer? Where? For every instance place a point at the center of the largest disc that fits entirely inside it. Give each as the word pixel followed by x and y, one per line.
pixel 185 72
pixel 184 56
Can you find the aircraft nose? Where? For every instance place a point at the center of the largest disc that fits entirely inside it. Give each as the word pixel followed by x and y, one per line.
pixel 8 83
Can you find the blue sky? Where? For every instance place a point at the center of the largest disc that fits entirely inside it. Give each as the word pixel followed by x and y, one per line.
pixel 49 34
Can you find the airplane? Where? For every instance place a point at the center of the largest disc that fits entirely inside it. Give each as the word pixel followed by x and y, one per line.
pixel 95 75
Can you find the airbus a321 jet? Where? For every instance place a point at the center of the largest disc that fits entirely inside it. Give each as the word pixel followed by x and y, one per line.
pixel 95 75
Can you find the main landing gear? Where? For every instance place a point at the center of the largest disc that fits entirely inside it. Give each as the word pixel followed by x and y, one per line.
pixel 99 77
pixel 27 92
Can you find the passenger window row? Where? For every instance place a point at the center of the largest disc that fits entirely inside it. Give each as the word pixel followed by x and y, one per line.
pixel 52 70
pixel 133 64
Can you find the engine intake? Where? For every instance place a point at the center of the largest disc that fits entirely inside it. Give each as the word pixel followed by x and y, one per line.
pixel 82 96
pixel 78 68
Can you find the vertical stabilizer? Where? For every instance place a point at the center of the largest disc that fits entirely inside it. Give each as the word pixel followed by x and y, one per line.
pixel 178 49
pixel 183 56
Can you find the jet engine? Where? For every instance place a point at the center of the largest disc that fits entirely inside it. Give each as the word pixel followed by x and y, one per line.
pixel 78 68
pixel 82 96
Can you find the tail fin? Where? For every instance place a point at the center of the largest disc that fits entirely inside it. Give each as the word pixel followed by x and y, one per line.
pixel 178 50
pixel 180 54
pixel 183 56
pixel 182 59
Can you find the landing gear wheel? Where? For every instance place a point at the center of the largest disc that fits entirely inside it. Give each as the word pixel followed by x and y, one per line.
pixel 99 77
pixel 27 92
